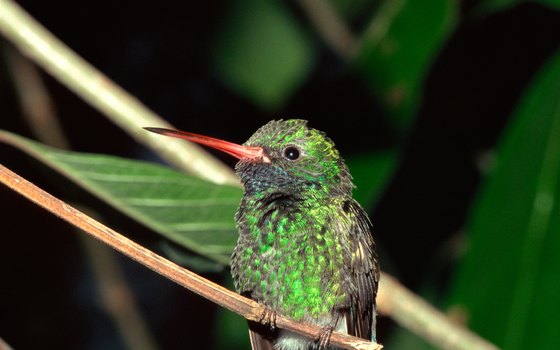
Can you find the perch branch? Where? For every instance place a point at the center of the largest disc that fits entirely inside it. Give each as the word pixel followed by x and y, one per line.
pixel 193 282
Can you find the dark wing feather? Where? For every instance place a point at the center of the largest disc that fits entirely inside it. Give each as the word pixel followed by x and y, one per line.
pixel 364 266
pixel 258 340
pixel 260 335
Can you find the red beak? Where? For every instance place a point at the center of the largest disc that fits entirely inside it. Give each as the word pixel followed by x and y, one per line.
pixel 238 151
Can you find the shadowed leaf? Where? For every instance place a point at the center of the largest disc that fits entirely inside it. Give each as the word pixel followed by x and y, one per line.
pixel 371 173
pixel 507 283
pixel 398 49
pixel 191 212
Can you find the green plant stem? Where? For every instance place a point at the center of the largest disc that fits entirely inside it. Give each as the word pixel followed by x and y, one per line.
pixel 98 90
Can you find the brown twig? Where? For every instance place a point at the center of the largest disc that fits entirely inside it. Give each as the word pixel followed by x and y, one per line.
pixel 193 282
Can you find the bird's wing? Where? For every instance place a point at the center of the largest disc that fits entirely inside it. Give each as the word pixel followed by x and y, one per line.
pixel 364 267
pixel 258 340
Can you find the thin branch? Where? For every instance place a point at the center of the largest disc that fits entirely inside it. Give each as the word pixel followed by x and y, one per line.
pixel 380 24
pixel 331 27
pixel 4 345
pixel 98 90
pixel 413 313
pixel 247 308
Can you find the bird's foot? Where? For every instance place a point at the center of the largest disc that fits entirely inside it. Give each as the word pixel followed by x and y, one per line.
pixel 323 338
pixel 268 318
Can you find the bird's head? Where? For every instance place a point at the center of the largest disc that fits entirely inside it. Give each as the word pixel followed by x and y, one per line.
pixel 301 160
pixel 286 157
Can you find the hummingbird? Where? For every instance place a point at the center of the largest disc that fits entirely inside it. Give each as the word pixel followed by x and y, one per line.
pixel 305 248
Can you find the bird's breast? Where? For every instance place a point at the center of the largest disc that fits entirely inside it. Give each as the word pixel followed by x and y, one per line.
pixel 292 263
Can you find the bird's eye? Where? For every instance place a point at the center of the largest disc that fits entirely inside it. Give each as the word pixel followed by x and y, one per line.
pixel 291 153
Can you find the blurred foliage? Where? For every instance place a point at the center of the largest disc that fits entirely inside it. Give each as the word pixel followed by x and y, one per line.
pixel 487 6
pixel 265 59
pixel 351 9
pixel 513 242
pixel 267 71
pixel 370 184
pixel 398 48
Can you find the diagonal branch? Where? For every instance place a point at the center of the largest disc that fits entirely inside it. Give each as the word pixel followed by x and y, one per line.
pixel 245 307
pixel 415 314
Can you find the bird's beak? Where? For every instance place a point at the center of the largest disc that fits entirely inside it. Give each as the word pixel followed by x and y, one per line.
pixel 252 153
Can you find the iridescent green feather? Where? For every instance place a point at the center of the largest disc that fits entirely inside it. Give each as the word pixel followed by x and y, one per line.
pixel 305 247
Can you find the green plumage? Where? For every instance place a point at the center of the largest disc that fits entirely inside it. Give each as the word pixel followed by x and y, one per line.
pixel 305 247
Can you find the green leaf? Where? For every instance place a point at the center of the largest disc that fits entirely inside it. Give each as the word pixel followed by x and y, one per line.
pixel 371 172
pixel 262 53
pixel 196 214
pixel 183 257
pixel 398 49
pixel 508 281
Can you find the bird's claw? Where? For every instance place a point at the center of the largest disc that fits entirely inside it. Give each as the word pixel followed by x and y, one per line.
pixel 268 318
pixel 324 338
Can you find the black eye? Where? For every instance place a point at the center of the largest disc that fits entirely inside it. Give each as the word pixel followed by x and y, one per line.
pixel 291 153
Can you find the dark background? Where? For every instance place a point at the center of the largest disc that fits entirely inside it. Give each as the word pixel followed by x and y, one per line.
pixel 159 52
